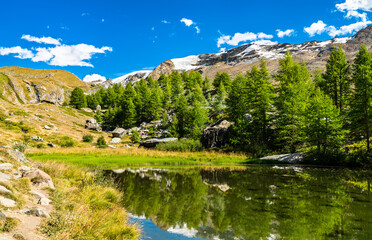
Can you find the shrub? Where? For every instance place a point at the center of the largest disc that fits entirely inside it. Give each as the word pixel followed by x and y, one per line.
pixel 135 137
pixel 8 224
pixel 88 138
pixel 183 145
pixel 41 145
pixel 66 142
pixel 101 142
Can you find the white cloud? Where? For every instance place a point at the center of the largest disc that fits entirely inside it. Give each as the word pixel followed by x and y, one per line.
pixel 187 22
pixel 46 40
pixel 362 16
pixel 197 29
pixel 165 21
pixel 222 49
pixel 20 52
pixel 316 28
pixel 347 29
pixel 93 77
pixel 349 5
pixel 286 33
pixel 42 55
pixel 241 37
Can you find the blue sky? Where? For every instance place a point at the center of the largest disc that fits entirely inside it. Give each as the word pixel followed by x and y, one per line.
pixel 112 38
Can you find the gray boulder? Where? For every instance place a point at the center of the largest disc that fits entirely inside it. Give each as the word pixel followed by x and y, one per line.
pixel 6 166
pixel 216 135
pixel 92 125
pixel 36 212
pixel 115 140
pixel 17 155
pixel 151 143
pixel 119 132
pixel 4 190
pixel 6 202
pixel 36 138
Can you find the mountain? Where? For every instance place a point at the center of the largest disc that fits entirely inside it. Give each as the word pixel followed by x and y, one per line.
pixel 240 59
pixel 130 77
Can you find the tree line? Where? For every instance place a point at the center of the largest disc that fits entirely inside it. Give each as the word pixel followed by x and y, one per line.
pixel 289 111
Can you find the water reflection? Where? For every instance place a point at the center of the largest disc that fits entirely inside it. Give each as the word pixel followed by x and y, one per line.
pixel 252 203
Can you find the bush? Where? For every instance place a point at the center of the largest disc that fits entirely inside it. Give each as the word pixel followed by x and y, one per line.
pixel 135 137
pixel 183 145
pixel 66 142
pixel 101 142
pixel 88 138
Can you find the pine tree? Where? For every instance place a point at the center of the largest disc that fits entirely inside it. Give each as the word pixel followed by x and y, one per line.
pixel 176 85
pixel 128 114
pixel 361 110
pixel 182 115
pixel 336 78
pixel 224 78
pixel 206 85
pixel 77 99
pixel 110 97
pixel 174 128
pixel 236 107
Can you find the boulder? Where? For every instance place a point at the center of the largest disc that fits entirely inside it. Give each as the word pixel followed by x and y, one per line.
pixel 6 166
pixel 92 124
pixel 40 178
pixel 86 110
pixel 111 146
pixel 44 201
pixel 6 202
pixel 17 155
pixel 51 145
pixel 4 177
pixel 4 190
pixel 151 143
pixel 115 140
pixel 24 169
pixel 119 132
pixel 216 135
pixel 98 108
pixel 38 212
pixel 36 138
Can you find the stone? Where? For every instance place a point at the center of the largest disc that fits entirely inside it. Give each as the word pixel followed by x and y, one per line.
pixel 18 156
pixel 6 166
pixel 151 143
pixel 38 212
pixel 51 145
pixel 40 178
pixel 24 169
pixel 216 135
pixel 44 201
pixel 126 146
pixel 4 238
pixel 119 132
pixel 4 190
pixel 2 216
pixel 4 177
pixel 115 140
pixel 6 202
pixel 92 125
pixel 111 146
pixel 36 138
pixel 47 127
pixel 98 108
pixel 86 110
pixel 37 194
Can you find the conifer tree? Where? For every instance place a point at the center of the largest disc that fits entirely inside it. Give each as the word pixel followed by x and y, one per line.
pixel 174 128
pixel 128 114
pixel 77 99
pixel 176 85
pixel 236 101
pixel 182 115
pixel 206 85
pixel 361 110
pixel 224 78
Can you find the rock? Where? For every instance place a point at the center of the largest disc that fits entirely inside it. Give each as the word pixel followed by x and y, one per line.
pixel 4 238
pixel 287 158
pixel 6 166
pixel 47 127
pixel 98 108
pixel 44 201
pixel 4 177
pixel 51 145
pixel 37 139
pixel 17 155
pixel 126 146
pixel 2 217
pixel 4 190
pixel 216 135
pixel 86 110
pixel 7 119
pixel 92 125
pixel 119 132
pixel 24 169
pixel 37 194
pixel 118 171
pixel 151 143
pixel 111 146
pixel 38 212
pixel 6 202
pixel 40 178
pixel 115 140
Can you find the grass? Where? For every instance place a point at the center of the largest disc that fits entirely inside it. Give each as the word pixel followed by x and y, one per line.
pixel 109 158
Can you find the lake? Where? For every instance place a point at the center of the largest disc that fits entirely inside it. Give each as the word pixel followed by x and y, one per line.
pixel 255 202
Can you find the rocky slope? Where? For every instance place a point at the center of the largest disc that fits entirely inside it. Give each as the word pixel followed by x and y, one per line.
pixel 242 58
pixel 23 86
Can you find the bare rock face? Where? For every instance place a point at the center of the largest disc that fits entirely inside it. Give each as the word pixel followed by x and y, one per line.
pixel 216 135
pixel 92 124
pixel 165 68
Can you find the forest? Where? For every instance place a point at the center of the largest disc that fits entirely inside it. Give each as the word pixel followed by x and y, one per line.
pixel 325 114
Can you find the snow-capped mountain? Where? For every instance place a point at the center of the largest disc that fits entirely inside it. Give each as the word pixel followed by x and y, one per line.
pixel 130 77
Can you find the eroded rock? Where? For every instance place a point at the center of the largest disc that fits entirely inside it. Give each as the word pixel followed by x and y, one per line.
pixel 92 125
pixel 40 178
pixel 216 135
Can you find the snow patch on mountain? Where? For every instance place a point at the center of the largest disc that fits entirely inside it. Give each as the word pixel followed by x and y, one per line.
pixel 186 63
pixel 137 74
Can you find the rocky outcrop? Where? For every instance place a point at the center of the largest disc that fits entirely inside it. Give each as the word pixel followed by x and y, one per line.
pixel 164 68
pixel 286 158
pixel 39 178
pixel 216 135
pixel 151 143
pixel 119 132
pixel 92 124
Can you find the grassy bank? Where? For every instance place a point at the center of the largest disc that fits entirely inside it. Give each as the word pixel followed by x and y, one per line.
pixel 114 158
pixel 85 207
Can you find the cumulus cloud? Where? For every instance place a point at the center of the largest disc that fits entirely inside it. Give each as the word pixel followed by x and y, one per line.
pixel 94 77
pixel 347 29
pixel 165 21
pixel 286 33
pixel 59 55
pixel 241 37
pixel 362 16
pixel 18 51
pixel 316 28
pixel 187 22
pixel 46 40
pixel 197 29
pixel 349 5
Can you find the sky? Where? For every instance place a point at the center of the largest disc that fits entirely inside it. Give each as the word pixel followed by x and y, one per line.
pixel 107 39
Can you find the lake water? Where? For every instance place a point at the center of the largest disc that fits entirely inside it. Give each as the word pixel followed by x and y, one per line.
pixel 256 202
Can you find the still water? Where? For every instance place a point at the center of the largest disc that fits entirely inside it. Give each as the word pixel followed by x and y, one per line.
pixel 257 202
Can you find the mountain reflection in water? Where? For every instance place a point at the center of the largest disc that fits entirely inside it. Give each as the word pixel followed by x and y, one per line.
pixel 259 202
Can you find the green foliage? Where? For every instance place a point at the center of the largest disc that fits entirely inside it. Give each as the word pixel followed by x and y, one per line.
pixel 222 79
pixel 66 142
pixel 101 142
pixel 77 99
pixel 8 224
pixel 88 138
pixel 183 145
pixel 135 138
